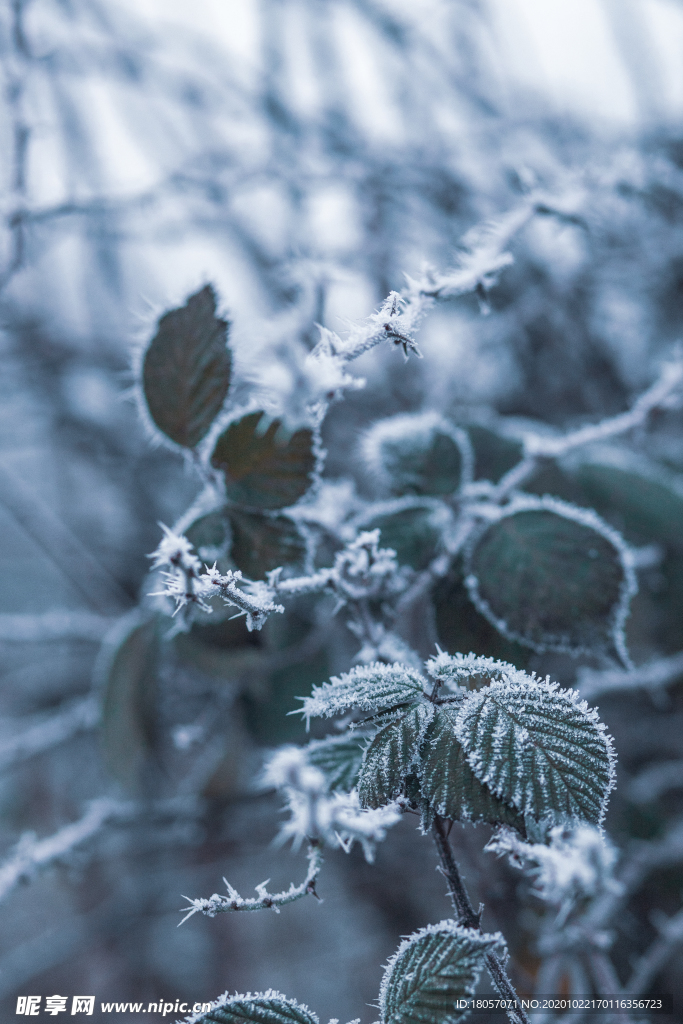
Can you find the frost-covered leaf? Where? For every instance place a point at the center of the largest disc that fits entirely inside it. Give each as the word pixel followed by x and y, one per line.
pixel 264 542
pixel 430 971
pixel 392 755
pixel 465 671
pixel 186 369
pixel 418 454
pixel 129 680
pixel 494 454
pixel 461 627
pixel 553 577
pixel 538 748
pixel 210 536
pixel 449 785
pixel 265 466
pixel 374 687
pixel 339 759
pixel 413 533
pixel 258 1008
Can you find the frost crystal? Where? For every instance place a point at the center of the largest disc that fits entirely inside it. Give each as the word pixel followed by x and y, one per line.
pixel 372 687
pixel 578 863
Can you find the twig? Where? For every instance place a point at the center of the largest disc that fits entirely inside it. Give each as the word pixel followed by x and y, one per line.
pixel 48 733
pixel 655 958
pixel 218 904
pixel 651 676
pixel 467 916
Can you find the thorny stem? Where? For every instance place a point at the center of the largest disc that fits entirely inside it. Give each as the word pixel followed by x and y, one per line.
pixel 470 919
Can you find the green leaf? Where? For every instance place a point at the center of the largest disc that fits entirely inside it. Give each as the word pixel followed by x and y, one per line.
pixel 260 1008
pixel 210 536
pixel 413 533
pixel 553 577
pixel 264 542
pixel 339 759
pixel 418 454
pixel 461 627
pixel 392 755
pixel 129 683
pixel 373 687
pixel 186 369
pixel 494 454
pixel 430 971
pixel 538 748
pixel 264 466
pixel 449 785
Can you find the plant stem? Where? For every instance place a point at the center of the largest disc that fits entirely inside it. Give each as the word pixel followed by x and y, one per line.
pixel 466 916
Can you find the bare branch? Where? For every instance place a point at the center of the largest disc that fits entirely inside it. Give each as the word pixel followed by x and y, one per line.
pixel 652 676
pixel 50 732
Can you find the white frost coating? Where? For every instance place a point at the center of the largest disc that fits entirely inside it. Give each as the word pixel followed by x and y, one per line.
pixel 516 685
pixel 579 863
pixel 450 669
pixel 367 687
pixel 227 1000
pixel 335 819
pixel 386 439
pixel 447 927
pixel 584 517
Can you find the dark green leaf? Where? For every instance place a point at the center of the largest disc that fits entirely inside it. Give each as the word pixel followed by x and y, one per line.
pixel 373 687
pixel 264 542
pixel 413 533
pixel 392 755
pixel 260 1008
pixel 210 536
pixel 460 627
pixel 550 581
pixel 494 454
pixel 186 369
pixel 129 698
pixel 538 748
pixel 418 454
pixel 430 971
pixel 264 466
pixel 449 785
pixel 339 759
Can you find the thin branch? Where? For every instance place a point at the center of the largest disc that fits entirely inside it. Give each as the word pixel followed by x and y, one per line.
pixel 651 676
pixel 656 957
pixel 467 917
pixel 55 625
pixel 50 732
pixel 218 904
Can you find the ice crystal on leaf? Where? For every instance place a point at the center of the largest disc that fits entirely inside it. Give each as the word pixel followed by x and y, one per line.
pixel 269 1007
pixel 374 687
pixel 430 971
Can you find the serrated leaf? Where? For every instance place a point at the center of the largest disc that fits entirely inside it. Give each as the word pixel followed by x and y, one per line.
pixel 494 454
pixel 392 755
pixel 186 369
pixel 413 533
pixel 538 748
pixel 264 466
pixel 129 698
pixel 418 454
pixel 449 785
pixel 339 759
pixel 260 1008
pixel 373 687
pixel 264 542
pixel 430 972
pixel 550 581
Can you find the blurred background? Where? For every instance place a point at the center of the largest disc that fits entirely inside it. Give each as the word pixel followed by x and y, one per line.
pixel 302 155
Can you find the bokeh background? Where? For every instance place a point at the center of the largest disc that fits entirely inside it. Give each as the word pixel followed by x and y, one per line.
pixel 301 155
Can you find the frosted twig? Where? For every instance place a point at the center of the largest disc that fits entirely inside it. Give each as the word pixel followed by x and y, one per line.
pixel 651 676
pixel 33 854
pixel 467 916
pixel 59 728
pixel 219 904
pixel 662 394
pixel 56 625
pixel 479 265
pixel 655 958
